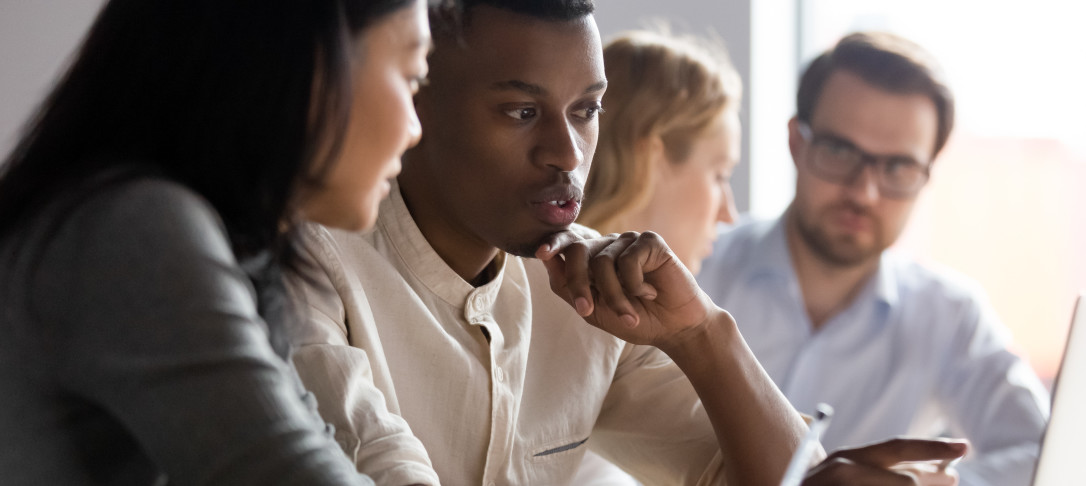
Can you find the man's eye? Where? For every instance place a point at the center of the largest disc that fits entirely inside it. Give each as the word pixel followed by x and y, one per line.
pixel 839 149
pixel 589 112
pixel 521 113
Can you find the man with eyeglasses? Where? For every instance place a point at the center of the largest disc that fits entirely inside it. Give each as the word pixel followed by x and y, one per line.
pixel 895 347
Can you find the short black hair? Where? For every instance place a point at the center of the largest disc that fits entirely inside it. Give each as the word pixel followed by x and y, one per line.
pixel 544 9
pixel 454 15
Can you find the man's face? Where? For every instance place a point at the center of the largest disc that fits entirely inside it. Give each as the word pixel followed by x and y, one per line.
pixel 510 123
pixel 850 223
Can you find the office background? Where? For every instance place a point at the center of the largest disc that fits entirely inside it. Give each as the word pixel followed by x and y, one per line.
pixel 1007 200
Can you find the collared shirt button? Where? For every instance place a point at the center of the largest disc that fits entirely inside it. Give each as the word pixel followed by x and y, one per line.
pixel 499 374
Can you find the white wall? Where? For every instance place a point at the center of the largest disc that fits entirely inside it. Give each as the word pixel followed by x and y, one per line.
pixel 37 37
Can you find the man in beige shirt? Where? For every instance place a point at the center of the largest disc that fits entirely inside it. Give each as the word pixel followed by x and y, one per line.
pixel 483 349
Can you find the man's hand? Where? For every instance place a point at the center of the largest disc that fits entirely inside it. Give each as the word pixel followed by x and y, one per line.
pixel 892 462
pixel 630 285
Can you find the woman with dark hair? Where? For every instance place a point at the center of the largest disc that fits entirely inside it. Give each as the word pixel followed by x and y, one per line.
pixel 147 221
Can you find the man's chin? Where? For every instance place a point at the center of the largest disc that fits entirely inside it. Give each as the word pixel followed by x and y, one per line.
pixel 846 255
pixel 526 247
pixel 841 251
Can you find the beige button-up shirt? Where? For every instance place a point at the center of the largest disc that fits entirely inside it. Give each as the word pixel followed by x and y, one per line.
pixel 504 384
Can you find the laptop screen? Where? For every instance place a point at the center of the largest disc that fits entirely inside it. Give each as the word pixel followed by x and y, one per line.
pixel 1061 457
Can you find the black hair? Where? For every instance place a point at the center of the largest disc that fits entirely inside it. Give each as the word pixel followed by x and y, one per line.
pixel 451 16
pixel 544 9
pixel 243 101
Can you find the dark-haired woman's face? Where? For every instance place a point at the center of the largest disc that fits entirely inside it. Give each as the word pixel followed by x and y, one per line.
pixel 389 64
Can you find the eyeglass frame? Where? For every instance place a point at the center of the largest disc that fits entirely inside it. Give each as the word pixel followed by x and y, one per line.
pixel 879 162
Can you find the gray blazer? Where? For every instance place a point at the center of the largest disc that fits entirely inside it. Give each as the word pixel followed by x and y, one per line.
pixel 131 352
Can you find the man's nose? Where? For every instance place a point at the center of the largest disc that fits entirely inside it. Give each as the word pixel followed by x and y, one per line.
pixel 560 145
pixel 863 186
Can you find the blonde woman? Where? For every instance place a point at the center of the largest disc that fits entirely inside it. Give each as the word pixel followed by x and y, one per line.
pixel 669 141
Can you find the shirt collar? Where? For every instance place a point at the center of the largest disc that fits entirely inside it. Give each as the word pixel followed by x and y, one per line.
pixel 885 280
pixel 776 260
pixel 773 259
pixel 396 222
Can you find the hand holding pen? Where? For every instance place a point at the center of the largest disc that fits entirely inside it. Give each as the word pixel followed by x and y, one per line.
pixel 903 461
pixel 889 463
pixel 802 457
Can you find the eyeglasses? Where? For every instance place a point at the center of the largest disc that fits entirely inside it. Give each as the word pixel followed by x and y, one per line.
pixel 840 162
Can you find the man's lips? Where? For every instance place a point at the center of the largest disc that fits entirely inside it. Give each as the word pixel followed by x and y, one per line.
pixel 852 220
pixel 557 205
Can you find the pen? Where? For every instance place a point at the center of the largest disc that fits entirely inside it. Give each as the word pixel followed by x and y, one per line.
pixel 800 459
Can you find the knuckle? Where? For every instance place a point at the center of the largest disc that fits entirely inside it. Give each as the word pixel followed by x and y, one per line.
pixel 563 237
pixel 579 246
pixel 602 261
pixel 651 236
pixel 630 235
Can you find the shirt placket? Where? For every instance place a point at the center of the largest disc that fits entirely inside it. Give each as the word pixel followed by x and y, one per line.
pixel 478 311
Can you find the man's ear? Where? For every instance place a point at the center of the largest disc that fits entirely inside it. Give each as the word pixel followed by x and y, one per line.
pixel 796 144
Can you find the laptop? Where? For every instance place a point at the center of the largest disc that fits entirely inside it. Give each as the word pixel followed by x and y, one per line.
pixel 1061 459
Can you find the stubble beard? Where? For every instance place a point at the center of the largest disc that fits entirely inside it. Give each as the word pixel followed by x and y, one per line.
pixel 843 251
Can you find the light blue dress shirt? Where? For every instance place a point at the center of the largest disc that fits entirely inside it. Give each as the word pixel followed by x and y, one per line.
pixel 918 352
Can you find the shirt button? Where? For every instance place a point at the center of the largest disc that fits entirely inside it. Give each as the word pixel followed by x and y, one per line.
pixel 499 374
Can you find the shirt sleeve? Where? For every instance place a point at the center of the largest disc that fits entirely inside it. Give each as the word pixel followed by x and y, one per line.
pixel 994 399
pixel 653 425
pixel 152 320
pixel 378 441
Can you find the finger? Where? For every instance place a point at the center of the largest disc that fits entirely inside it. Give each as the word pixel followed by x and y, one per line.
pixel 555 243
pixel 632 263
pixel 929 474
pixel 605 279
pixel 887 453
pixel 576 277
pixel 841 472
pixel 556 271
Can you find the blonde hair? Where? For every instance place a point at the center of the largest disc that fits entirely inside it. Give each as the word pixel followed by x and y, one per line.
pixel 659 85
